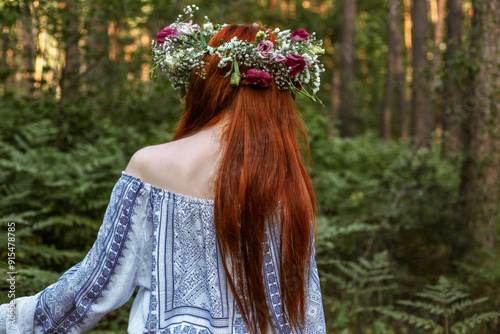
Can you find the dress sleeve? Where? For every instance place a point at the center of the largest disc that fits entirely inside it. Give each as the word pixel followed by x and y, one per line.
pixel 102 282
pixel 315 316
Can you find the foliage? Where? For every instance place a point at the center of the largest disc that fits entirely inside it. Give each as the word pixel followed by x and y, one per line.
pixel 389 215
pixel 374 198
pixel 440 311
pixel 357 285
pixel 389 194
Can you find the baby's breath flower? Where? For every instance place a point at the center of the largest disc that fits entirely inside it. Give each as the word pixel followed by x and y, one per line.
pixel 182 55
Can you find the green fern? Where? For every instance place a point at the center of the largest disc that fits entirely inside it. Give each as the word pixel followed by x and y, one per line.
pixel 418 322
pixel 361 283
pixel 463 326
pixel 444 303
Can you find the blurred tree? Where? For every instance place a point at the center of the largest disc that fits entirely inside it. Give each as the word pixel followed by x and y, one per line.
pixel 400 72
pixel 347 115
pixel 4 64
pixel 437 19
pixel 334 97
pixel 387 108
pixel 439 23
pixel 70 75
pixel 422 118
pixel 8 14
pixel 97 45
pixel 394 70
pixel 273 5
pixel 452 78
pixel 481 169
pixel 28 47
pixel 408 48
pixel 437 15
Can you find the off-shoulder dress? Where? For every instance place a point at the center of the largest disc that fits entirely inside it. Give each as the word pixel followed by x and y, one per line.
pixel 164 243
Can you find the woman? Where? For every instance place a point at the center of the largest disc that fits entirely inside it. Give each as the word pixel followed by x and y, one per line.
pixel 215 227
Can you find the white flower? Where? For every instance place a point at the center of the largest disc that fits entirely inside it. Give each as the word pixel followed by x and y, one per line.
pixel 184 57
pixel 187 28
pixel 169 60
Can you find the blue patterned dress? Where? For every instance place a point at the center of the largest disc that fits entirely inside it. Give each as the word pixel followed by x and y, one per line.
pixel 165 244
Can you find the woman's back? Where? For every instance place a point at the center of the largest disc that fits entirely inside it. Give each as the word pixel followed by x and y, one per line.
pixel 164 243
pixel 188 292
pixel 184 236
pixel 186 166
pixel 260 172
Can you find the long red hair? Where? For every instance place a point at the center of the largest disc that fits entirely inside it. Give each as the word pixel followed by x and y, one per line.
pixel 261 180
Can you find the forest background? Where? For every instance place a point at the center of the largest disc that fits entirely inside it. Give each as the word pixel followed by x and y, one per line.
pixel 405 150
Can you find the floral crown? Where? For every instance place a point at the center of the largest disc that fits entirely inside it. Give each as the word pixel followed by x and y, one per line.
pixel 291 62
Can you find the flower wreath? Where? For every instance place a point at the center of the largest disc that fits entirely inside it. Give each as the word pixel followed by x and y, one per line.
pixel 292 62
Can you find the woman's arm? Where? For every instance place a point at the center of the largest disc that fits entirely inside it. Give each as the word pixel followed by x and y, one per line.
pixel 102 282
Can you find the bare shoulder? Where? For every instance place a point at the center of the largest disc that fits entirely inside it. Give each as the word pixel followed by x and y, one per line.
pixel 144 162
pixel 185 166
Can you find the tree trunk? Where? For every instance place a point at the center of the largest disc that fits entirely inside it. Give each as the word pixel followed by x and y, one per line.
pixel 335 100
pixel 70 74
pixel 347 114
pixel 481 169
pixel 28 48
pixel 438 25
pixel 422 118
pixel 438 32
pixel 394 71
pixel 404 79
pixel 401 87
pixel 452 92
pixel 387 105
pixel 98 45
pixel 5 69
pixel 399 71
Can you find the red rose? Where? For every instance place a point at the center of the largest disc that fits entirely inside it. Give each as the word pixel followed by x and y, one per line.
pixel 257 78
pixel 167 32
pixel 299 35
pixel 295 64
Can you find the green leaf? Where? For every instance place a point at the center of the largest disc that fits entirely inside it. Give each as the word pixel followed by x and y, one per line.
pixel 473 321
